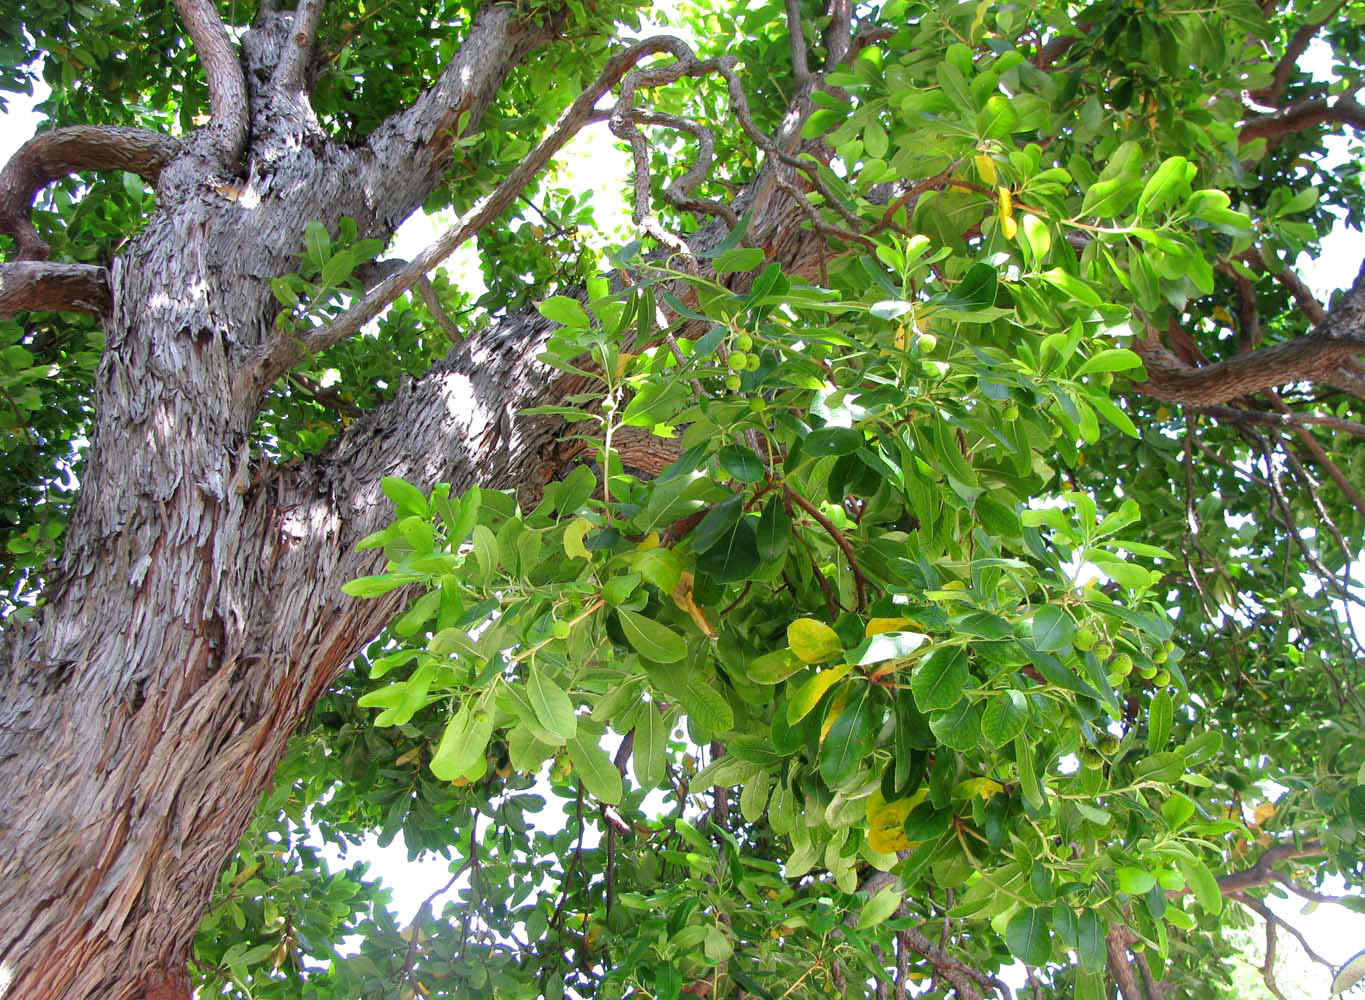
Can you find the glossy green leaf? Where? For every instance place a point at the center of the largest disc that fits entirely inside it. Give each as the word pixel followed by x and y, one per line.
pixel 650 639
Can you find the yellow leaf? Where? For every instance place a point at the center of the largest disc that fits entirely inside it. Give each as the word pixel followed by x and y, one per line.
pixel 650 541
pixel 1008 226
pixel 985 166
pixel 623 361
pixel 573 539
pixel 1263 812
pixel 886 821
pixel 1006 203
pixel 813 641
pixel 876 626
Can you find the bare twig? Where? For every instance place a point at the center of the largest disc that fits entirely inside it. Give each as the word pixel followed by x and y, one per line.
pixel 796 35
pixel 1286 419
pixel 859 584
pixel 1298 45
pixel 1268 915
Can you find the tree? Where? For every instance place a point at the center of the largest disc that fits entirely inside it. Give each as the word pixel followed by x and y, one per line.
pixel 953 460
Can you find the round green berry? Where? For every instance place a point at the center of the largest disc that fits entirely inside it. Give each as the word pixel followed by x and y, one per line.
pixel 561 630
pixel 738 361
pixel 1085 639
pixel 733 382
pixel 744 342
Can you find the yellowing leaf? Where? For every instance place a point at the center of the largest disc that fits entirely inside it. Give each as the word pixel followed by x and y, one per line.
pixel 810 693
pixel 832 716
pixel 682 597
pixel 813 641
pixel 876 626
pixel 1263 812
pixel 972 787
pixel 886 821
pixel 573 539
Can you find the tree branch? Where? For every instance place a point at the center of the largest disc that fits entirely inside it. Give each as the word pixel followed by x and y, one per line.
pixel 61 151
pixel 223 72
pixel 292 69
pixel 1317 357
pixel 411 148
pixel 40 286
pixel 1284 69
pixel 1302 116
pixel 1263 871
pixel 1268 915
pixel 289 352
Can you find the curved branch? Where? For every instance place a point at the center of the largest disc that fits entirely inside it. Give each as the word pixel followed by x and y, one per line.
pixel 1304 115
pixel 292 69
pixel 1263 871
pixel 39 286
pixel 223 73
pixel 61 151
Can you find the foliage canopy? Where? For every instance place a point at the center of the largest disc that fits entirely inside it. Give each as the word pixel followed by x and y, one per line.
pixel 987 603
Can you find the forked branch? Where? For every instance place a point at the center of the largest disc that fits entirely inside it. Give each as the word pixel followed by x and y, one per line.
pixel 51 155
pixel 292 69
pixel 1305 115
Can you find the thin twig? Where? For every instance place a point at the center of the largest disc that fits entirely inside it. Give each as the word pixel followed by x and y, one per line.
pixel 859 584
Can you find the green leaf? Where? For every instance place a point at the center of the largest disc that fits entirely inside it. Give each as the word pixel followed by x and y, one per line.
pixel 485 547
pixel 408 499
pixel 938 682
pixel 959 727
pixel 879 908
pixel 1113 360
pixel 1135 881
pixel 553 709
pixel 1205 886
pixel 742 463
pixel 773 534
pixel 1090 934
pixel 463 742
pixel 594 768
pixel 997 119
pixel 1073 286
pixel 1028 936
pixel 1053 629
pixel 651 640
pixel 813 641
pixel 829 441
pixel 774 667
pixel 1159 722
pixel 1164 185
pixel 734 557
pixel 648 758
pixel 707 706
pixel 739 259
pixel 718 523
pixel 851 737
pixel 373 586
pixel 1005 717
pixel 565 311
pixel 1108 198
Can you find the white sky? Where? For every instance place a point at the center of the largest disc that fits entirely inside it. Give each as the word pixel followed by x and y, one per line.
pixel 592 161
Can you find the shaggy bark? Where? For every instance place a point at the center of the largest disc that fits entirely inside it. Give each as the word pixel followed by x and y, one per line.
pixel 196 614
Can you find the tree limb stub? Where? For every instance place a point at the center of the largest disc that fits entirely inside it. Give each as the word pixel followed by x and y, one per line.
pixel 41 286
pixel 51 155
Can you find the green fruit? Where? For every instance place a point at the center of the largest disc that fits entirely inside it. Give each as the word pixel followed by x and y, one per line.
pixel 1085 639
pixel 738 361
pixel 733 382
pixel 1161 656
pixel 757 404
pixel 1090 757
pixel 744 342
pixel 1103 651
pixel 1116 680
pixel 754 362
pixel 1011 413
pixel 1147 673
pixel 1122 665
pixel 927 342
pixel 561 630
pixel 1162 678
pixel 1109 745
